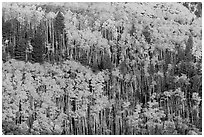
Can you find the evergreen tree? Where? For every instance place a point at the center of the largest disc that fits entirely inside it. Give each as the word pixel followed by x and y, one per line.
pixel 38 48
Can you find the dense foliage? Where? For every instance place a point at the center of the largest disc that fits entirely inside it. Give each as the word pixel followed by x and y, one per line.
pixel 102 68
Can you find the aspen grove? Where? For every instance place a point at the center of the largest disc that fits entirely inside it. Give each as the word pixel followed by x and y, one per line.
pixel 102 68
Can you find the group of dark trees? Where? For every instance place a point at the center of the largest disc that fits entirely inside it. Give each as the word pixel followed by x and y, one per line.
pixel 36 40
pixel 23 42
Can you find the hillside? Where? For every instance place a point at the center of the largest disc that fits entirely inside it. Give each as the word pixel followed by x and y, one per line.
pixel 102 68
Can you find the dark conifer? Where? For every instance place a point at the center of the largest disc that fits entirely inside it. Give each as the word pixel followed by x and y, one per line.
pixel 20 49
pixel 38 48
pixel 59 23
